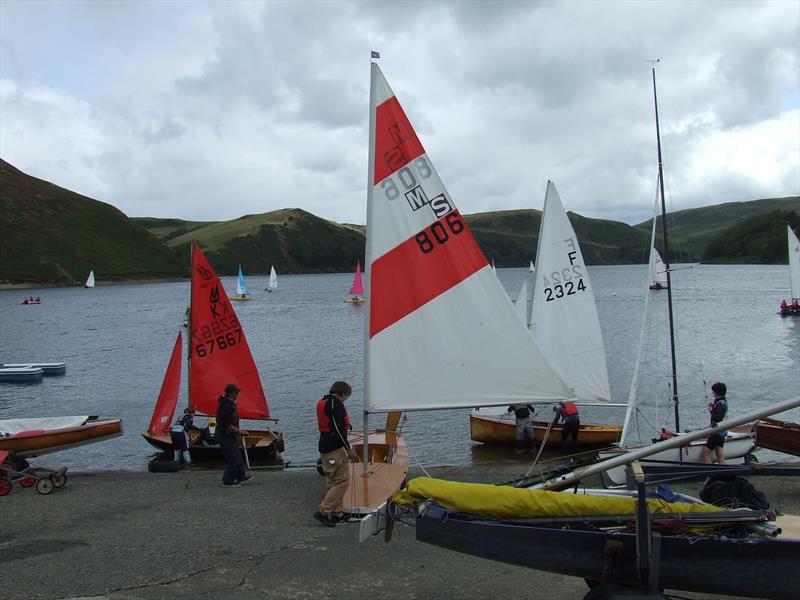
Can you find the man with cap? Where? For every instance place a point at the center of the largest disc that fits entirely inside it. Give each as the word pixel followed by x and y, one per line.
pixel 228 433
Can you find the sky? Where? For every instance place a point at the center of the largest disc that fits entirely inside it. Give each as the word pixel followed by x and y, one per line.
pixel 214 110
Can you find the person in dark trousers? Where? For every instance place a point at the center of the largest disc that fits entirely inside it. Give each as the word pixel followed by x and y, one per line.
pixel 335 452
pixel 523 413
pixel 568 413
pixel 718 410
pixel 228 435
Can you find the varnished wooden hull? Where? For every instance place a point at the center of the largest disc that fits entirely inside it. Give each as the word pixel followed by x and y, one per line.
pixel 495 429
pixel 775 434
pixel 54 440
pixel 387 470
pixel 261 444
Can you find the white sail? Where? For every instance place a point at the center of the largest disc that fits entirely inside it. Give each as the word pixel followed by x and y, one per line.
pixel 657 274
pixel 522 305
pixel 273 279
pixel 794 263
pixel 440 330
pixel 564 318
pixel 89 280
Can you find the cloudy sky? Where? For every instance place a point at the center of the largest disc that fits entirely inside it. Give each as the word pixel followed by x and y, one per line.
pixel 212 110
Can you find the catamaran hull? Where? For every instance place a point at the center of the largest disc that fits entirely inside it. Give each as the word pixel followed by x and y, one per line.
pixel 753 569
pixel 493 429
pixel 263 445
pixel 55 440
pixel 737 445
pixel 782 436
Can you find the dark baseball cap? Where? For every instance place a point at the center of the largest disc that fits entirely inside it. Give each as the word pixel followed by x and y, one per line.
pixel 231 388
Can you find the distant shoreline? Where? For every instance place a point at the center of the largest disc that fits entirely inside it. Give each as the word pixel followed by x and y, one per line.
pixel 35 286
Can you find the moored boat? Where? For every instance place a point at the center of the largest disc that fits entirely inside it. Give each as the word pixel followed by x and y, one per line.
pixel 20 373
pixel 48 369
pixel 33 437
pixel 782 436
pixel 501 429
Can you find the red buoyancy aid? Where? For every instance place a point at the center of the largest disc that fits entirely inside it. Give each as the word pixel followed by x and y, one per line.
pixel 570 409
pixel 324 421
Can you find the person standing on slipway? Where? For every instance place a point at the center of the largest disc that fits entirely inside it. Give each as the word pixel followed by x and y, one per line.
pixel 335 452
pixel 228 436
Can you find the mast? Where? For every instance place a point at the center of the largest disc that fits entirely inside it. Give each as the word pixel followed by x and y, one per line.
pixel 189 324
pixel 665 258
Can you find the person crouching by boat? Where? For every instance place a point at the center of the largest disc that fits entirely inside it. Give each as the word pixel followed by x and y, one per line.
pixel 179 435
pixel 228 435
pixel 719 410
pixel 523 413
pixel 568 413
pixel 335 451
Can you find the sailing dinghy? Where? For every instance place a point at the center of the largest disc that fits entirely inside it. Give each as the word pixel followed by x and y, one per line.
pixel 273 280
pixel 357 289
pixel 25 438
pixel 242 293
pixel 793 308
pixel 218 355
pixel 438 320
pixel 89 280
pixel 656 271
pixel 564 322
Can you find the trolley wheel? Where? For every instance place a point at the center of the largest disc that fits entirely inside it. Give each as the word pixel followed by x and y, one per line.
pixel 27 481
pixel 59 479
pixel 5 486
pixel 45 485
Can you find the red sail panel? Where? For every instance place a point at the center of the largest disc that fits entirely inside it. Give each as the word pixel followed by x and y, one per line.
pixel 219 353
pixel 168 396
pixel 409 276
pixel 396 142
pixel 358 287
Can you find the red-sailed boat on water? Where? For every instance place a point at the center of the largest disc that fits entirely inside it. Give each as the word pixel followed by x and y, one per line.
pixel 218 355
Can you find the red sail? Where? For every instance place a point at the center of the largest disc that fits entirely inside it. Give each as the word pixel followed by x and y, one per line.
pixel 219 353
pixel 168 397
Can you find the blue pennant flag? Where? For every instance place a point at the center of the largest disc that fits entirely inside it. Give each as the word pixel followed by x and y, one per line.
pixel 376 54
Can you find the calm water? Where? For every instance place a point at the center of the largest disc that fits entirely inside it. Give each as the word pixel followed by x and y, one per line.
pixel 116 341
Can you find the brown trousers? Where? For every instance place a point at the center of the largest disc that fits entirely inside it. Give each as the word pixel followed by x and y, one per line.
pixel 336 467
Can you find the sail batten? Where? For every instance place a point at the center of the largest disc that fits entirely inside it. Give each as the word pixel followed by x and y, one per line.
pixel 442 332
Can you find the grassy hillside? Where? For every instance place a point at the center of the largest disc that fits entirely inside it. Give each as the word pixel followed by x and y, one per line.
pixel 53 235
pixel 692 230
pixel 757 240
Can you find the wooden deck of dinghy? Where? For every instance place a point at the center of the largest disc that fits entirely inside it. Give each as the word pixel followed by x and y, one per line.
pixel 782 436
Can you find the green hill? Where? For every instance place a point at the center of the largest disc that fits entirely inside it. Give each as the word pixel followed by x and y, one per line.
pixel 692 230
pixel 757 240
pixel 52 235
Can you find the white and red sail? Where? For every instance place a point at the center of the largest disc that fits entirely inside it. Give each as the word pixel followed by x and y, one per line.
pixel 218 350
pixel 357 289
pixel 168 396
pixel 441 331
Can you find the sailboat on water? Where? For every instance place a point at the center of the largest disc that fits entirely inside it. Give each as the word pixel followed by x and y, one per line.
pixel 440 330
pixel 218 355
pixel 242 293
pixel 564 322
pixel 793 307
pixel 657 272
pixel 272 285
pixel 357 289
pixel 89 280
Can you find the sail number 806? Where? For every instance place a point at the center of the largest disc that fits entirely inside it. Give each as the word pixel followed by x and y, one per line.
pixel 437 234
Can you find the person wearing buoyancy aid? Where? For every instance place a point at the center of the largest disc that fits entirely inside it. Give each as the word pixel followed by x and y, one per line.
pixel 335 452
pixel 568 413
pixel 719 410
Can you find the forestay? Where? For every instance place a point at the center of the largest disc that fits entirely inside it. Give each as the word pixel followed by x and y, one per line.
pixel 564 318
pixel 794 262
pixel 441 330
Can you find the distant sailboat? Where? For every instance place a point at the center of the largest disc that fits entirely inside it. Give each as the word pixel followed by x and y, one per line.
pixel 793 308
pixel 657 274
pixel 242 293
pixel 357 289
pixel 273 280
pixel 89 280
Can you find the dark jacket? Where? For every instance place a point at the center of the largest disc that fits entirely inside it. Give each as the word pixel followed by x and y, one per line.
pixel 337 437
pixel 718 410
pixel 521 411
pixel 227 415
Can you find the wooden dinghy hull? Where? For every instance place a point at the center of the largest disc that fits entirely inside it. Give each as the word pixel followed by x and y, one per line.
pixel 386 473
pixel 782 436
pixel 55 440
pixel 691 563
pixel 497 429
pixel 261 444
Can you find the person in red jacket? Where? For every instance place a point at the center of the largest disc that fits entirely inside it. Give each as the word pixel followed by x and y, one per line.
pixel 335 452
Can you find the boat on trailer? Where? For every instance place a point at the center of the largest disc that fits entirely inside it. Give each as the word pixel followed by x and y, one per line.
pixel 25 438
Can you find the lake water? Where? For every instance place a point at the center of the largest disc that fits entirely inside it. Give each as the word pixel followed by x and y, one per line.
pixel 116 341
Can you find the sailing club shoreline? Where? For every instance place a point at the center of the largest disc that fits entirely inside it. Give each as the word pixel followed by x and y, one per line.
pixel 135 535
